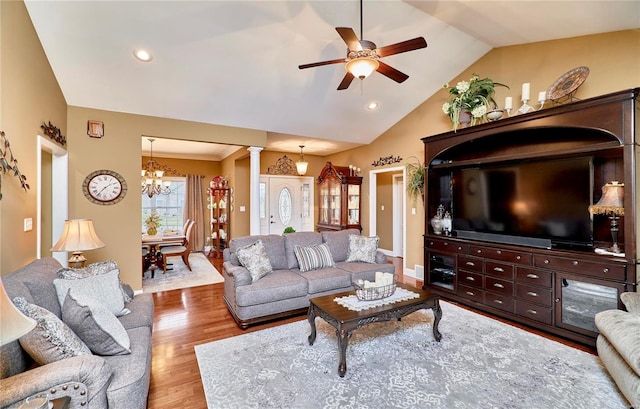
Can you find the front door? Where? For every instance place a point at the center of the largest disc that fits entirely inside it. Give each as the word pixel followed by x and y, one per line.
pixel 288 203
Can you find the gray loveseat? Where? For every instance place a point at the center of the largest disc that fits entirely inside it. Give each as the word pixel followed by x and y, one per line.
pixel 92 381
pixel 286 291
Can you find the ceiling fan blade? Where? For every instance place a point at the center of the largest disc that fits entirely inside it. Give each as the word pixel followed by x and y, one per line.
pixel 350 38
pixel 402 47
pixel 391 72
pixel 346 81
pixel 318 64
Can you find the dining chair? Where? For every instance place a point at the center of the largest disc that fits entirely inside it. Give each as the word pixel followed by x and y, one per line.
pixel 182 251
pixel 177 242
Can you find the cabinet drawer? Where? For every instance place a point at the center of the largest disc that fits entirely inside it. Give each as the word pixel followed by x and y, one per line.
pixel 498 301
pixel 532 276
pixel 469 278
pixel 444 245
pixel 602 270
pixel 502 255
pixel 470 263
pixel 500 270
pixel 534 312
pixel 498 286
pixel 471 293
pixel 537 295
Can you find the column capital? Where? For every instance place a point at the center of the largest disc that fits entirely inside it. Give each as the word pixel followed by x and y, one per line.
pixel 255 149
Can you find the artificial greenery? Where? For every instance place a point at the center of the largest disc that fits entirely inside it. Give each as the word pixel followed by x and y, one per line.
pixel 153 222
pixel 415 180
pixel 289 229
pixel 9 163
pixel 475 96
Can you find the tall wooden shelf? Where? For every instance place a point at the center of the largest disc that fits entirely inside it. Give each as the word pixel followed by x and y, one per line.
pixel 524 283
pixel 340 198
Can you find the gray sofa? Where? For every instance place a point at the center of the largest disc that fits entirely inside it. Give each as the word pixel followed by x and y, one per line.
pixel 618 345
pixel 286 291
pixel 118 382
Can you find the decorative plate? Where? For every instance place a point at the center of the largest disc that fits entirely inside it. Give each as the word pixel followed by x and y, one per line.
pixel 568 83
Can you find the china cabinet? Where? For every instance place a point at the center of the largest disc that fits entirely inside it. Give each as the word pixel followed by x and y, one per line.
pixel 340 198
pixel 219 206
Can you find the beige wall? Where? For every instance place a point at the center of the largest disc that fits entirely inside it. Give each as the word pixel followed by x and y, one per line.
pixel 384 218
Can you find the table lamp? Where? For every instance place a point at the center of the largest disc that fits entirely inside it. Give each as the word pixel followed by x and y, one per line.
pixel 612 204
pixel 13 324
pixel 77 236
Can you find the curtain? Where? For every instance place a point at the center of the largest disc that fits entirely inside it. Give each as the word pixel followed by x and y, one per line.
pixel 194 210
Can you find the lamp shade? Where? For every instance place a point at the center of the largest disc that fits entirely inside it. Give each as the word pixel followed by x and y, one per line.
pixel 13 324
pixel 362 67
pixel 612 200
pixel 78 235
pixel 301 167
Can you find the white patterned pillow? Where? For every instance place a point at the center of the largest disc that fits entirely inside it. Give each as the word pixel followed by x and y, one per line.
pixel 362 248
pixel 102 287
pixel 313 257
pixel 254 258
pixel 92 269
pixel 51 340
pixel 95 325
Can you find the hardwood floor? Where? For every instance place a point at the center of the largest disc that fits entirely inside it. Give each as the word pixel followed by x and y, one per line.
pixel 188 317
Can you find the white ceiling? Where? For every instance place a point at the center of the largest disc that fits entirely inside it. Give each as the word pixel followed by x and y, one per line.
pixel 236 63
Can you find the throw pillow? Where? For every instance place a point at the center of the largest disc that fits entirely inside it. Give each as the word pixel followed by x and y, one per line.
pixel 93 269
pixel 100 330
pixel 362 248
pixel 51 340
pixel 313 257
pixel 103 287
pixel 254 258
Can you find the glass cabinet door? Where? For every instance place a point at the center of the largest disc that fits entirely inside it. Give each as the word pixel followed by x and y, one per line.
pixel 324 203
pixel 353 200
pixel 334 201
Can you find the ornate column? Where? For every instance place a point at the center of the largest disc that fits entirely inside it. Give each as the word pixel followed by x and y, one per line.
pixel 254 191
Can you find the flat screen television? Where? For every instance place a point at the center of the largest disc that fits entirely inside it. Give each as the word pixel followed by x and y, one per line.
pixel 541 203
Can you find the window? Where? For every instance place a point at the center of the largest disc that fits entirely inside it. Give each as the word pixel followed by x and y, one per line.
pixel 170 207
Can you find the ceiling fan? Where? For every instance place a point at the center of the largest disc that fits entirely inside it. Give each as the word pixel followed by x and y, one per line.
pixel 363 57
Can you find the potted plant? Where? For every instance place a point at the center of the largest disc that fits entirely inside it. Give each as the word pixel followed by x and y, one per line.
pixel 289 229
pixel 472 98
pixel 153 223
pixel 415 180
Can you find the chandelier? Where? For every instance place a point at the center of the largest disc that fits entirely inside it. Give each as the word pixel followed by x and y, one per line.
pixel 301 165
pixel 152 183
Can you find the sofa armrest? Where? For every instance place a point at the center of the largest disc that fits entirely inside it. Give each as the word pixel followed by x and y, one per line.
pixel 240 275
pixel 127 289
pixel 631 301
pixel 83 378
pixel 381 258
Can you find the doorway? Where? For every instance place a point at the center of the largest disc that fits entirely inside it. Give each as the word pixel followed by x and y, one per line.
pixel 286 201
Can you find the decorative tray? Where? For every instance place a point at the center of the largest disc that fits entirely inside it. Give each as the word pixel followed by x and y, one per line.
pixel 567 83
pixel 375 293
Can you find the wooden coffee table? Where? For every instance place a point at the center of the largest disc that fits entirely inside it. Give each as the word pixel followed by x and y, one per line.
pixel 345 320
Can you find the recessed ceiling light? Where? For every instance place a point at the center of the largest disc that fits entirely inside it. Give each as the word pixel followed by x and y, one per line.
pixel 143 55
pixel 371 106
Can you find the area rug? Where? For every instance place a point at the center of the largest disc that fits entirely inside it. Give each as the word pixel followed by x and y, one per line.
pixel 202 273
pixel 480 363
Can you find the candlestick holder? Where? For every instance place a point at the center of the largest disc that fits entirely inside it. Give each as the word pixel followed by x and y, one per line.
pixel 525 108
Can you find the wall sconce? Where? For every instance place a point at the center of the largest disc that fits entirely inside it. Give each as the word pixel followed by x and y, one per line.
pixel 301 165
pixel 612 204
pixel 78 235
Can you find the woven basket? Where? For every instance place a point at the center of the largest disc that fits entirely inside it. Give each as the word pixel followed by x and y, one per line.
pixel 375 293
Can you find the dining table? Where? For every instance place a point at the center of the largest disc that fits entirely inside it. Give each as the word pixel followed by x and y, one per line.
pixel 153 243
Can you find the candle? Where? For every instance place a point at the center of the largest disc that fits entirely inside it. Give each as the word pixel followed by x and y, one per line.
pixel 525 91
pixel 542 96
pixel 508 103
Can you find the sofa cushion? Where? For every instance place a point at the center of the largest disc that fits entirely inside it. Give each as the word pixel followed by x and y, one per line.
pixel 338 242
pixel 279 285
pixel 95 325
pixel 304 239
pixel 313 257
pixel 34 282
pixel 93 269
pixel 274 245
pixel 51 340
pixel 365 271
pixel 254 258
pixel 327 279
pixel 622 330
pixel 362 248
pixel 103 287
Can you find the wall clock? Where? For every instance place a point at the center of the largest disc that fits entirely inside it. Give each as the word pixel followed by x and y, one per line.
pixel 104 187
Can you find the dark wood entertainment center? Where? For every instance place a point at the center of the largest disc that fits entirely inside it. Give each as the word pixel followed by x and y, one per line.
pixel 556 289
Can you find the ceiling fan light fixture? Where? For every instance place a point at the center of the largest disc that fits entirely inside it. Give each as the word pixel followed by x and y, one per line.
pixel 362 67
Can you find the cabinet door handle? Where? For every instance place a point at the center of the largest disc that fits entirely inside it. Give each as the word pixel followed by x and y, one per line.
pixel 479 251
pixel 532 294
pixel 470 278
pixel 547 261
pixel 499 252
pixel 498 269
pixel 470 263
pixel 533 312
pixel 459 248
pixel 498 285
pixel 574 262
pixel 605 270
pixel 533 276
pixel 518 258
pixel 470 293
pixel 498 301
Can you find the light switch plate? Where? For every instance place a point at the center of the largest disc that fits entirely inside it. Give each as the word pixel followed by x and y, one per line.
pixel 28 224
pixel 242 208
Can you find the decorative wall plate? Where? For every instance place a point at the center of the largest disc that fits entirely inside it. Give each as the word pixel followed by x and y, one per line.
pixel 567 83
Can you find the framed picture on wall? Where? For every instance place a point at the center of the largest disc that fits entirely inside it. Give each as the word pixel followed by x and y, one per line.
pixel 95 129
